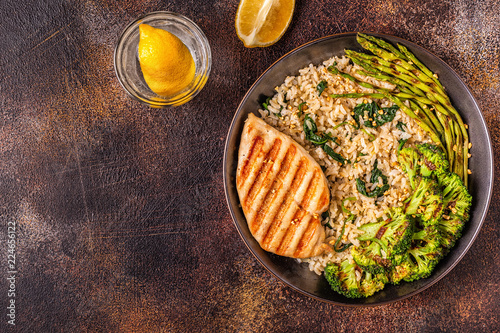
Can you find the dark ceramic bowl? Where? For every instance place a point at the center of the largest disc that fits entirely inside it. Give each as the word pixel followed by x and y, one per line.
pixel 298 276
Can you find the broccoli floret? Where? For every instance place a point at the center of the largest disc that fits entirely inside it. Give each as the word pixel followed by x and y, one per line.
pixel 457 202
pixel 393 237
pixel 424 253
pixel 399 272
pixel 408 159
pixel 426 201
pixel 342 279
pixel 371 283
pixel 432 160
pixel 425 160
pixel 370 257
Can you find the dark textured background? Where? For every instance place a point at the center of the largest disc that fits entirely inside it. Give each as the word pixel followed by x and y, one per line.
pixel 122 222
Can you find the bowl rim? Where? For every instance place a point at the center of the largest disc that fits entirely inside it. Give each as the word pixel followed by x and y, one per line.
pixel 227 180
pixel 187 93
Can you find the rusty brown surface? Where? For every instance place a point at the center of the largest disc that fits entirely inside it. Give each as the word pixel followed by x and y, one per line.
pixel 122 223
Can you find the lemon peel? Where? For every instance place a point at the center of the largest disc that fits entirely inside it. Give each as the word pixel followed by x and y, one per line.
pixel 166 62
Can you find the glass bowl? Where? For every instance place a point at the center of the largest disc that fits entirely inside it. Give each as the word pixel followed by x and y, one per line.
pixel 128 69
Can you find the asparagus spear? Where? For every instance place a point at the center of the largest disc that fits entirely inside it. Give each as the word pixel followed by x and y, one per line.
pixel 334 70
pixel 384 54
pixel 425 76
pixel 420 65
pixel 383 44
pixel 397 71
pixel 430 105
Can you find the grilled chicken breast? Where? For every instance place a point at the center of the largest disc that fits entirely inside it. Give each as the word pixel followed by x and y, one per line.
pixel 282 191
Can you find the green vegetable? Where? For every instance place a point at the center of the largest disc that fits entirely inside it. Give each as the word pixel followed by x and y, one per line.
pixel 372 137
pixel 431 220
pixel 321 87
pixel 429 103
pixel 374 115
pixel 426 202
pixel 278 114
pixel 409 244
pixel 266 104
pixel 341 124
pixel 350 217
pixel 310 130
pixel 300 108
pixel 456 202
pixel 339 239
pixel 379 190
pixel 324 216
pixel 400 125
pixel 441 204
pixel 433 160
pixel 402 142
pixel 342 278
pixel 336 156
pixel 393 235
pixel 409 160
pixel 424 253
pixel 345 210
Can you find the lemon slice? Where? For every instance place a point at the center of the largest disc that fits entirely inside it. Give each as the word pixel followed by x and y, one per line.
pixel 261 23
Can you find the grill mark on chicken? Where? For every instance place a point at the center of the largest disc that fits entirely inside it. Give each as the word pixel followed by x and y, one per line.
pixel 310 236
pixel 288 203
pixel 263 172
pixel 299 220
pixel 276 193
pixel 309 194
pixel 299 236
pixel 246 167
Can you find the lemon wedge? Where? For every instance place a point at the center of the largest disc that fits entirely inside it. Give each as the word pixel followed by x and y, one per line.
pixel 166 62
pixel 261 23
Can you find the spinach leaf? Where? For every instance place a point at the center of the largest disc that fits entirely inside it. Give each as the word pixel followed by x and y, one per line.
pixel 321 139
pixel 266 104
pixel 309 125
pixel 379 190
pixel 321 87
pixel 278 114
pixel 310 129
pixel 400 125
pixel 334 139
pixel 401 144
pixel 300 109
pixel 350 218
pixel 376 174
pixel 376 116
pixel 336 156
pixel 324 216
